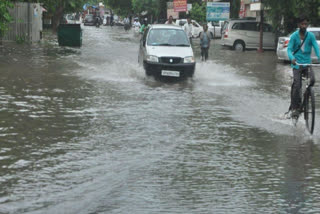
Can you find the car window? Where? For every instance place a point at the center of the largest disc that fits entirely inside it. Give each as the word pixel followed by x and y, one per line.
pixel 225 26
pixel 249 26
pixel 181 23
pixel 167 37
pixel 195 24
pixel 266 28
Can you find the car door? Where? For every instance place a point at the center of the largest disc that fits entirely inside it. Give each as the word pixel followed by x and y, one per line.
pixel 252 34
pixel 268 37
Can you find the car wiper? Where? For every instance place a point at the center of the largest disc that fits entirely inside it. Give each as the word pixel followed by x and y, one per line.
pixel 165 44
pixel 182 45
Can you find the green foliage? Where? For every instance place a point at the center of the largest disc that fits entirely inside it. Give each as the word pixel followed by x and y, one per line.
pixel 20 39
pixel 199 12
pixel 283 14
pixel 152 6
pixel 5 17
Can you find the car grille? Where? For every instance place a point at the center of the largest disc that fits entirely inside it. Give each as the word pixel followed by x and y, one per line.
pixel 171 60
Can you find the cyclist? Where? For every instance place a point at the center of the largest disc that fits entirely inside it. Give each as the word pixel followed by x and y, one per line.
pixel 299 51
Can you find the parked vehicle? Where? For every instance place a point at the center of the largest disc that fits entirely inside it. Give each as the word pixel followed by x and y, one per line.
pixel 241 34
pixel 284 41
pixel 69 19
pixel 215 28
pixel 89 20
pixel 196 29
pixel 165 51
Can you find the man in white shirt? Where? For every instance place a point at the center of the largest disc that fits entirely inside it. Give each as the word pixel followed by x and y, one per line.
pixel 187 27
pixel 170 21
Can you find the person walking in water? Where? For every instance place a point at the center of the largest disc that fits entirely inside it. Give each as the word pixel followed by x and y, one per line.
pixel 204 43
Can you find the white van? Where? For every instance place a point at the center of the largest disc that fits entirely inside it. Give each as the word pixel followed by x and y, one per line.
pixel 165 50
pixel 241 34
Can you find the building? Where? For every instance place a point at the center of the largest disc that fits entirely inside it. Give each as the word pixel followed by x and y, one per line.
pixel 26 24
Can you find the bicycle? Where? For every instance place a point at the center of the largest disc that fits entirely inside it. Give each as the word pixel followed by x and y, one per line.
pixel 307 106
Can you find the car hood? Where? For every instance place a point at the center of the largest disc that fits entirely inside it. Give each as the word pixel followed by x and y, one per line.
pixel 171 51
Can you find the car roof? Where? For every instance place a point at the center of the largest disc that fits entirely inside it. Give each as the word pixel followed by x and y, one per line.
pixel 313 28
pixel 241 20
pixel 162 26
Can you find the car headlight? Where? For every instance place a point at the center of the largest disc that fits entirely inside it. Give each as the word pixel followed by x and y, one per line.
pixel 151 58
pixel 188 59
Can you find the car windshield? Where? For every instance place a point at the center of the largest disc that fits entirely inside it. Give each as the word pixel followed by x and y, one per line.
pixel 89 17
pixel 168 37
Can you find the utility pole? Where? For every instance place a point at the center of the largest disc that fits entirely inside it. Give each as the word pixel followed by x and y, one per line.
pixel 260 50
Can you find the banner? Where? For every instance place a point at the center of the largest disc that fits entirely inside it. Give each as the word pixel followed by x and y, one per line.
pixel 218 11
pixel 170 12
pixel 180 5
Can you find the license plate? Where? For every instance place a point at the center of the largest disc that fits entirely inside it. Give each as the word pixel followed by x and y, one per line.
pixel 170 73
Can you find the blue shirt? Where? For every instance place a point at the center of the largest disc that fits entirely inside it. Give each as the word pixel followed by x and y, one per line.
pixel 205 41
pixel 303 56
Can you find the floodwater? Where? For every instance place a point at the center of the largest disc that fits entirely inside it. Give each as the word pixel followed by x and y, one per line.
pixel 84 131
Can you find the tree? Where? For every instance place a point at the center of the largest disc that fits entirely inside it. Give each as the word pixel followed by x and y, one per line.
pixel 121 7
pixel 289 10
pixel 58 7
pixel 199 12
pixel 5 17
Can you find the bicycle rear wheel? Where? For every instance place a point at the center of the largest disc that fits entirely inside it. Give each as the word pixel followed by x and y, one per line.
pixel 309 110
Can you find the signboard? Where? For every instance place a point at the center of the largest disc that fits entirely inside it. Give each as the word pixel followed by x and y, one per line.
pixel 255 6
pixel 242 11
pixel 180 5
pixel 170 12
pixel 169 5
pixel 189 7
pixel 217 11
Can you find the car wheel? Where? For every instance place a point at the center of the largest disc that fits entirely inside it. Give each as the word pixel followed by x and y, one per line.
pixel 239 46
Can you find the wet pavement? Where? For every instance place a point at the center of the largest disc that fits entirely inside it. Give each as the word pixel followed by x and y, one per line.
pixel 83 130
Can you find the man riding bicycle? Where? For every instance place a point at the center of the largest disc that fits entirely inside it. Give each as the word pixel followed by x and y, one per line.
pixel 299 51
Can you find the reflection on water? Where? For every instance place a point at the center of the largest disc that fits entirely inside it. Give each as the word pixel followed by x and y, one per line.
pixel 83 130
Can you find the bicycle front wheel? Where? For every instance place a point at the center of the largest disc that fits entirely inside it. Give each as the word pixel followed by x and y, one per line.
pixel 309 110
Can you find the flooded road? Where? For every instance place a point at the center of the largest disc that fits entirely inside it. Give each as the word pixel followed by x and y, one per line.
pixel 83 130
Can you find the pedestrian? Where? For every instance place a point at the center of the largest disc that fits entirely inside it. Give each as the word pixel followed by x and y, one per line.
pixel 299 51
pixel 111 20
pixel 187 27
pixel 204 43
pixel 127 24
pixel 143 27
pixel 170 21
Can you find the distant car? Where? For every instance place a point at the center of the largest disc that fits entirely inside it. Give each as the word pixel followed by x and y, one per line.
pixel 196 29
pixel 89 20
pixel 284 41
pixel 165 51
pixel 215 28
pixel 241 34
pixel 69 19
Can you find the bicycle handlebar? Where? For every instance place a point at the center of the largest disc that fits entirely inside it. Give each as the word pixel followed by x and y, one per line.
pixel 313 65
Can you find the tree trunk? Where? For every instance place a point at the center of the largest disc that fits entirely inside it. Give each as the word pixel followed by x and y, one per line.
pixel 56 17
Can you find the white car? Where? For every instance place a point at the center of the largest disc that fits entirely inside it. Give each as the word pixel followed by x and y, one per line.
pixel 284 41
pixel 165 51
pixel 196 29
pixel 215 28
pixel 241 34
